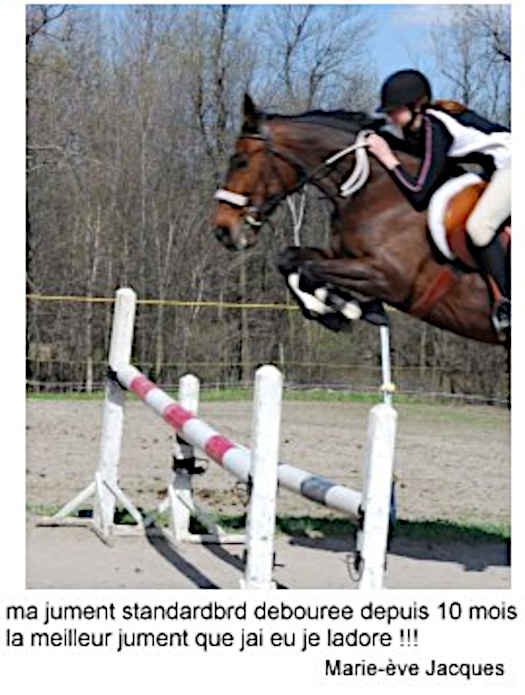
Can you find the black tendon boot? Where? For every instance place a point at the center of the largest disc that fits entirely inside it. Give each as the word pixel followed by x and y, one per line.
pixel 492 261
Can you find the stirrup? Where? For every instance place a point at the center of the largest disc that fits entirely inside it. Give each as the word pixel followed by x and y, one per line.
pixel 501 317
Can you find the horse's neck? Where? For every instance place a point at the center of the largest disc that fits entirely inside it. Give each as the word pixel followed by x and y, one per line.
pixel 312 145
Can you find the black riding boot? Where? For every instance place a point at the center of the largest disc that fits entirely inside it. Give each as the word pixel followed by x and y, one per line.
pixel 492 261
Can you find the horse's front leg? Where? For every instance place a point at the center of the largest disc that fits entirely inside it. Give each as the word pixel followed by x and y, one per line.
pixel 357 275
pixel 320 299
pixel 309 296
pixel 318 266
pixel 293 257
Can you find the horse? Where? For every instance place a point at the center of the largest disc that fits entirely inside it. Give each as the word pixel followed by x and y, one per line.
pixel 380 248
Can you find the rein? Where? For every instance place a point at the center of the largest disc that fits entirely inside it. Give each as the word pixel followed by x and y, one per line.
pixel 355 181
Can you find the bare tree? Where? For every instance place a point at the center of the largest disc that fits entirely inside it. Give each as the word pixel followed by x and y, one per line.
pixel 317 55
pixel 493 23
pixel 132 112
pixel 38 18
pixel 471 47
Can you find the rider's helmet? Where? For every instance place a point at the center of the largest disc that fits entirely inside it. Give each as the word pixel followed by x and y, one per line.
pixel 404 88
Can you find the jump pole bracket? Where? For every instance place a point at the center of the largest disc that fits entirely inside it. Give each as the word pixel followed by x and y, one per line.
pixel 180 502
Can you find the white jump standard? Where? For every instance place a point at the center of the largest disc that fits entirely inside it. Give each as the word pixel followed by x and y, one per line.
pixel 259 467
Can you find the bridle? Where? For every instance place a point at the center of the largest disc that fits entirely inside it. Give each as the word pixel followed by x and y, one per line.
pixel 257 215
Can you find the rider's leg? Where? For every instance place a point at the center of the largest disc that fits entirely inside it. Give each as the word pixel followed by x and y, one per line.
pixel 492 209
pixel 492 260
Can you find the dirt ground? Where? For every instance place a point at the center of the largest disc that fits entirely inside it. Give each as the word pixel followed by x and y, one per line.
pixel 452 463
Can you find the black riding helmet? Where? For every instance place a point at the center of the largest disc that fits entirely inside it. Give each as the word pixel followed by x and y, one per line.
pixel 404 88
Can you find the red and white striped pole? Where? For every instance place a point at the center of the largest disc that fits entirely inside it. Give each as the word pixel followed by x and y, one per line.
pixel 258 465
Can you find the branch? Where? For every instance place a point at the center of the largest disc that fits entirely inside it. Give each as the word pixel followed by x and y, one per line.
pixel 45 18
pixel 500 51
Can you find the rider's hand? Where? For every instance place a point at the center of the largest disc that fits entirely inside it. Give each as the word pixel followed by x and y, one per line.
pixel 380 148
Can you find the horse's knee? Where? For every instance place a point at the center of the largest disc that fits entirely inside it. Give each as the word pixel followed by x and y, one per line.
pixel 294 257
pixel 287 260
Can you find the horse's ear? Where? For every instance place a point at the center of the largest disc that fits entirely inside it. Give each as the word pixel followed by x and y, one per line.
pixel 251 115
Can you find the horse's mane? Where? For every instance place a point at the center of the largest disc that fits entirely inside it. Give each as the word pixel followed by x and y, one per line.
pixel 350 121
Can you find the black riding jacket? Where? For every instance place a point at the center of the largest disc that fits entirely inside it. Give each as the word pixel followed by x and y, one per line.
pixel 443 142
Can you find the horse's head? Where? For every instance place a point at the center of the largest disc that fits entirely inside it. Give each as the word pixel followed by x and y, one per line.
pixel 275 155
pixel 256 181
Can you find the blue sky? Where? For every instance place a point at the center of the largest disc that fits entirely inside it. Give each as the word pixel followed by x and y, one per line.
pixel 400 35
pixel 400 39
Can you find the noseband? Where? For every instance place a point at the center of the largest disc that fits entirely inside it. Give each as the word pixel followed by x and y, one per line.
pixel 355 181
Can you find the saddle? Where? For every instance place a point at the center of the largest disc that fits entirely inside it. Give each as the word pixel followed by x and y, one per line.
pixel 448 212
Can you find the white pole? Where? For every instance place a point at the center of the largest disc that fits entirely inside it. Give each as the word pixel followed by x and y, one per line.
pixel 236 459
pixel 180 491
pixel 379 463
pixel 387 386
pixel 113 409
pixel 264 463
pixel 320 489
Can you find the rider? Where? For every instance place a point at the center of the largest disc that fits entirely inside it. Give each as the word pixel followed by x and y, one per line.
pixel 443 134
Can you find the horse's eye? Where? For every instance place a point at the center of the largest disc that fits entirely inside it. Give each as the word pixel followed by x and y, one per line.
pixel 238 161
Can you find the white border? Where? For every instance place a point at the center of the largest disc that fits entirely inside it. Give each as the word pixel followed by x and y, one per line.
pixel 163 668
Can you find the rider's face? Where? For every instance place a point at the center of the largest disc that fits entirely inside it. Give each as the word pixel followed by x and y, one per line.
pixel 400 116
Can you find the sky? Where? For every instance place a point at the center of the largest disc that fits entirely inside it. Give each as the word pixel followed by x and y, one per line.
pixel 400 38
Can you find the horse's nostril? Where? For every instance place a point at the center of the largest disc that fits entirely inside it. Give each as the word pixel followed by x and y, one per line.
pixel 221 233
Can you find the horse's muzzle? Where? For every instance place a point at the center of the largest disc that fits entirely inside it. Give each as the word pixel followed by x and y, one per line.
pixel 222 234
pixel 237 239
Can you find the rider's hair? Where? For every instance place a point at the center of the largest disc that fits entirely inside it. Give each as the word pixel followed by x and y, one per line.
pixel 448 105
pixel 420 106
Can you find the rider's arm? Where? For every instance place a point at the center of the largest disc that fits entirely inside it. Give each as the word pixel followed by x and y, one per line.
pixel 399 144
pixel 418 189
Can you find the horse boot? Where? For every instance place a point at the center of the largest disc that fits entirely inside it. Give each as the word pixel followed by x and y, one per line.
pixel 311 296
pixel 492 262
pixel 347 308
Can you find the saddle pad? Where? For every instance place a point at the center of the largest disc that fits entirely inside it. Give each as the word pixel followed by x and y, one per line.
pixel 438 207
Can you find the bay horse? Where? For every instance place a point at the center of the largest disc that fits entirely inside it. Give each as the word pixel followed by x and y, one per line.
pixel 380 250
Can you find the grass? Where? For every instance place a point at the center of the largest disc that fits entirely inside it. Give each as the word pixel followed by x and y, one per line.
pixel 68 396
pixel 225 395
pixel 323 395
pixel 437 530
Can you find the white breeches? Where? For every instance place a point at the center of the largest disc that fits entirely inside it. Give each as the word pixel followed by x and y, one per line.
pixel 492 208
